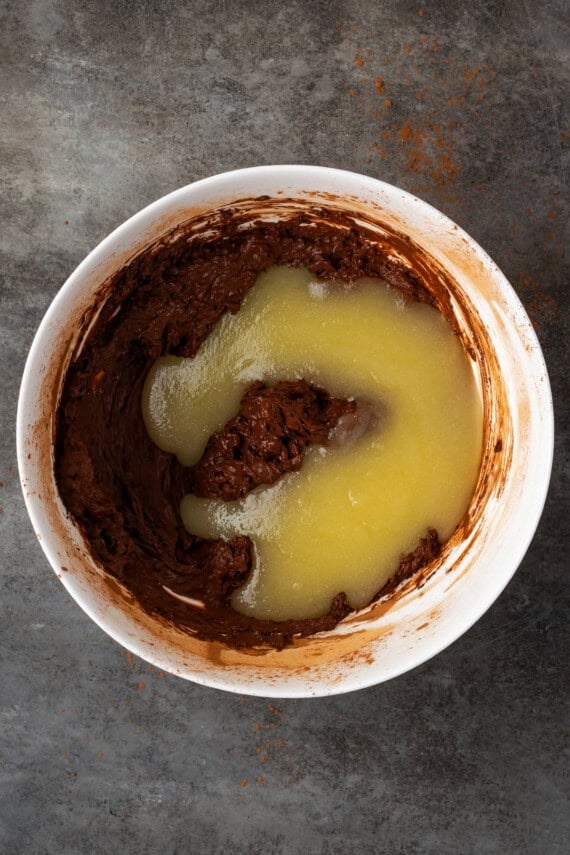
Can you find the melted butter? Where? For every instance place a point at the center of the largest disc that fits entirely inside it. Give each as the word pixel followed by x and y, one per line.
pixel 342 522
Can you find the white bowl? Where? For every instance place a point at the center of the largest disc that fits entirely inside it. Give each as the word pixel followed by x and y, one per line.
pixel 393 635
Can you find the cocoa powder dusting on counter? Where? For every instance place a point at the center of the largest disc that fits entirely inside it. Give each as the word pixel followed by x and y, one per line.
pixel 425 134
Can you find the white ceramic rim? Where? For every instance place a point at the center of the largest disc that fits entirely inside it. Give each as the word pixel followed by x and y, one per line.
pixel 521 335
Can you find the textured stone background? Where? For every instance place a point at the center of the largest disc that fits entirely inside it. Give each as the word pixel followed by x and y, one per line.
pixel 108 106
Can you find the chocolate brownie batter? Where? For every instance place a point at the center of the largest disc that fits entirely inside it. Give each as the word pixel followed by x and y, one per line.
pixel 124 492
pixel 267 438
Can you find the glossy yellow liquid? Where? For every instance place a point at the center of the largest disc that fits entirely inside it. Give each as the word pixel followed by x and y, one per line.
pixel 343 521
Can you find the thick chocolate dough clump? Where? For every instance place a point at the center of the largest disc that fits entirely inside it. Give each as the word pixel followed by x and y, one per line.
pixel 267 438
pixel 124 492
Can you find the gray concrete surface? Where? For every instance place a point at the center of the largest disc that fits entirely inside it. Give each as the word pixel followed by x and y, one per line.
pixel 107 106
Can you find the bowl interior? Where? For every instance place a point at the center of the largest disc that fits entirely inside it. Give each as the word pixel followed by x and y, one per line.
pixel 390 636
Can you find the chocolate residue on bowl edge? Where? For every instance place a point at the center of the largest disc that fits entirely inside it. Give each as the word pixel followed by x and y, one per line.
pixel 124 492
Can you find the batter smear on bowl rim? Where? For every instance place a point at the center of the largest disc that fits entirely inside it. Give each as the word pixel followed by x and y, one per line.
pixel 265 430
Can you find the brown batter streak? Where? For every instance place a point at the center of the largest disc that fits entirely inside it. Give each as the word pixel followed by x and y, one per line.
pixel 267 438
